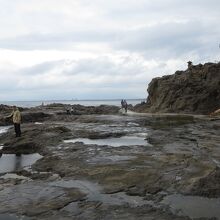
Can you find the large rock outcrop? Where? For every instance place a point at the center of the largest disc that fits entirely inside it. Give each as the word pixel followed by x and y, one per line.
pixel 195 90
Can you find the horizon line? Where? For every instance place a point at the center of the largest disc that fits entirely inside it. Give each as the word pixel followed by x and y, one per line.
pixel 52 100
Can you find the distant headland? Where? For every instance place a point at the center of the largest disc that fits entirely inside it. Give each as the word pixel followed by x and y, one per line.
pixel 195 90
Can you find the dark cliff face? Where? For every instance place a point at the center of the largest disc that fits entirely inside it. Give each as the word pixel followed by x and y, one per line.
pixel 196 90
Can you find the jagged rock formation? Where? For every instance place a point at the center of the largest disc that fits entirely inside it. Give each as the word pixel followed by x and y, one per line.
pixel 195 90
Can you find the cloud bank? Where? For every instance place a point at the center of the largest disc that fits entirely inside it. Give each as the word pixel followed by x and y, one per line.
pixel 101 49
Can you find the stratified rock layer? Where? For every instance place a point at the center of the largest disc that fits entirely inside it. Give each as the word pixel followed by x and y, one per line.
pixel 196 90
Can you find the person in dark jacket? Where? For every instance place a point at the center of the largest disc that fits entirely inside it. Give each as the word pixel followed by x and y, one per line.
pixel 125 106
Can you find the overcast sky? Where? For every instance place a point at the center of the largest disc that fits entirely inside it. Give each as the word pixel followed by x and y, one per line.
pixel 95 49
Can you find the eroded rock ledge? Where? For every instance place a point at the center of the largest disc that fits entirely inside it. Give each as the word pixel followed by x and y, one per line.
pixel 195 90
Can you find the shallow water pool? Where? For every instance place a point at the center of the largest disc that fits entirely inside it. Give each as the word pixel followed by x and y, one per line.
pixel 4 129
pixel 114 142
pixel 11 162
pixel 93 192
pixel 193 206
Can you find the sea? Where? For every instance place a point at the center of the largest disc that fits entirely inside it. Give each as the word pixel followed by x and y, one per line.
pixel 29 104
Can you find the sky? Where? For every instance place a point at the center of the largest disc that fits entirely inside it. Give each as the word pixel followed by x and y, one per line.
pixel 100 49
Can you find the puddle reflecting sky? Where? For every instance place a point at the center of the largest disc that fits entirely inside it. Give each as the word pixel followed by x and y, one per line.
pixel 193 206
pixel 11 162
pixel 110 159
pixel 114 142
pixel 93 191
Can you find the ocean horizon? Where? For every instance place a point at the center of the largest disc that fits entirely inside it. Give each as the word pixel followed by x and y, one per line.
pixel 85 102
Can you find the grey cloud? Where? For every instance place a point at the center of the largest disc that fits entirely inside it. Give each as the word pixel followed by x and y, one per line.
pixel 198 33
pixel 161 40
pixel 61 41
pixel 105 76
pixel 100 66
pixel 40 68
pixel 95 67
pixel 159 30
pixel 129 13
pixel 171 40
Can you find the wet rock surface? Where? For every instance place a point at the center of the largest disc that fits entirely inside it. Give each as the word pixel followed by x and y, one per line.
pixel 83 174
pixel 208 186
pixel 195 90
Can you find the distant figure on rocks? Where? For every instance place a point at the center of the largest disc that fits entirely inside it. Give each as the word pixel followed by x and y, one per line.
pixel 68 111
pixel 125 106
pixel 190 64
pixel 16 118
pixel 122 103
pixel 72 110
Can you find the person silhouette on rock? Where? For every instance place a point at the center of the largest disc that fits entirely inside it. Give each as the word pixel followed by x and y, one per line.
pixel 16 118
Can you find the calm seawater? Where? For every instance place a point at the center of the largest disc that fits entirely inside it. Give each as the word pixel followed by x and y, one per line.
pixel 72 102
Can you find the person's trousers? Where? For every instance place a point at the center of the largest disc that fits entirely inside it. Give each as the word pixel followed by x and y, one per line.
pixel 17 129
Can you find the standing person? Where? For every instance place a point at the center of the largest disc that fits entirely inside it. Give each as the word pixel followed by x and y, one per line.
pixel 72 110
pixel 122 104
pixel 125 106
pixel 16 118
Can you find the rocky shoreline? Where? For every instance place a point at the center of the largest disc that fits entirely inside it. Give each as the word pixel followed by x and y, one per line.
pixel 100 164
